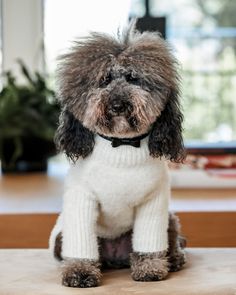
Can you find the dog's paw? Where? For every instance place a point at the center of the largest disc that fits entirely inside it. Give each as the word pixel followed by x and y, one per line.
pixel 149 266
pixel 81 273
pixel 177 260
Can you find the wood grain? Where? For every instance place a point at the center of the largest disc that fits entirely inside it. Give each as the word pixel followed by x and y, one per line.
pixel 34 272
pixel 209 229
pixel 26 230
pixel 202 229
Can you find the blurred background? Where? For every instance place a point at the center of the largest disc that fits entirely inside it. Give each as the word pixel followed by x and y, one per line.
pixel 33 33
pixel 202 33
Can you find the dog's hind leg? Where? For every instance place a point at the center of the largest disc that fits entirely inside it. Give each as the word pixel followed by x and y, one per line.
pixel 55 240
pixel 58 247
pixel 176 254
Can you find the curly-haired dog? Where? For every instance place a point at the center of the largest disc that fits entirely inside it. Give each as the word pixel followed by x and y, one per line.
pixel 120 121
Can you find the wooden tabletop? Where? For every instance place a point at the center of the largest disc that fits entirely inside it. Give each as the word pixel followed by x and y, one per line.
pixel 208 271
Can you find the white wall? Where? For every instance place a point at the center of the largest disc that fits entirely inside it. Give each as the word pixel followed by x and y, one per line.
pixel 22 34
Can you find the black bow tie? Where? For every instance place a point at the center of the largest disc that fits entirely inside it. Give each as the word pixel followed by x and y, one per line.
pixel 134 141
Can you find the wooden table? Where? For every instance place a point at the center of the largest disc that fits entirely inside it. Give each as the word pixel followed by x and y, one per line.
pixel 34 272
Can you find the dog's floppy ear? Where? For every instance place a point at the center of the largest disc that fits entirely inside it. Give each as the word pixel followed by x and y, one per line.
pixel 73 138
pixel 166 134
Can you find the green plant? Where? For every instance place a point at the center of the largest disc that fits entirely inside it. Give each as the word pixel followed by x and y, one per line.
pixel 26 111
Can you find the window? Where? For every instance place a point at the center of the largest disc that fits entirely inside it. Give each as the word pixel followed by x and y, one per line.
pixel 203 34
pixel 65 20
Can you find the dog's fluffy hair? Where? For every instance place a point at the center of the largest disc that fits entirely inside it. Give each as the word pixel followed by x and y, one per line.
pixel 122 89
pixel 138 70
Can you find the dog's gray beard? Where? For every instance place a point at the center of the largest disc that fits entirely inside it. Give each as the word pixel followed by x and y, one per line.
pixel 145 112
pixel 146 109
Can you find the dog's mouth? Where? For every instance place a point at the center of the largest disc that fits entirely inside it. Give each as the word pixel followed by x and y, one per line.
pixel 121 118
pixel 120 115
pixel 121 125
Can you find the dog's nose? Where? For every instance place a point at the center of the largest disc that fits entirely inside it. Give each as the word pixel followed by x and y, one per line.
pixel 118 106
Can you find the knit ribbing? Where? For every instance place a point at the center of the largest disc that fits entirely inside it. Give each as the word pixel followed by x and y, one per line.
pixel 151 236
pixel 79 226
pixel 151 224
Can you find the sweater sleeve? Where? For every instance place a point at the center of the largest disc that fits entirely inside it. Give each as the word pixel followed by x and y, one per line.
pixel 151 223
pixel 80 214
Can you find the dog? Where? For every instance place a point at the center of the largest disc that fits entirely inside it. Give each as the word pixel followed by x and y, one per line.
pixel 121 122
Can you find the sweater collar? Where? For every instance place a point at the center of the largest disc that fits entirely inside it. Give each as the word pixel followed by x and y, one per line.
pixel 133 141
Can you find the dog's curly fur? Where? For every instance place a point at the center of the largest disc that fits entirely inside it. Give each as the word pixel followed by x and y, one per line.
pixel 149 266
pixel 83 273
pixel 121 88
pixel 139 71
pixel 176 255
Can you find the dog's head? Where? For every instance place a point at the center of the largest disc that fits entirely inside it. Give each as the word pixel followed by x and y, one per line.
pixel 120 89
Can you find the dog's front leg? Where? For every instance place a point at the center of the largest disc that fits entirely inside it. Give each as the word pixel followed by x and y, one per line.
pixel 79 248
pixel 150 239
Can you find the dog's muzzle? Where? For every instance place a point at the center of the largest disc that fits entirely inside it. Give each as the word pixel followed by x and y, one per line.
pixel 119 107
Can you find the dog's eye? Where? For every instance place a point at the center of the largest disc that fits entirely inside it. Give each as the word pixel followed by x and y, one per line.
pixel 105 81
pixel 132 80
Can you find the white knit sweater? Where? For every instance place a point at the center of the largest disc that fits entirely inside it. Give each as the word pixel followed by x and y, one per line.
pixel 110 192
